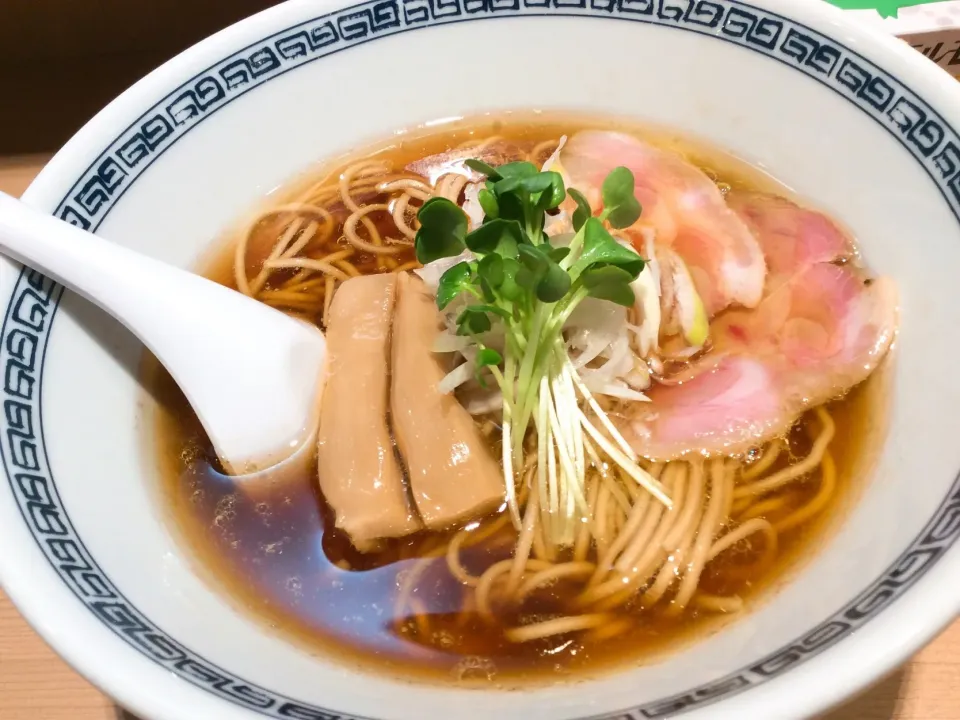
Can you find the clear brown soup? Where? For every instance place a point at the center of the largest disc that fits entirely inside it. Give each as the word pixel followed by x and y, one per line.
pixel 279 558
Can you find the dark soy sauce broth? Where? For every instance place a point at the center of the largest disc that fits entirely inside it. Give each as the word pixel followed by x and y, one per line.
pixel 276 558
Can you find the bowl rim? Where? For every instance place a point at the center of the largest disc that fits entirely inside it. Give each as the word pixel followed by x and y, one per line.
pixel 813 687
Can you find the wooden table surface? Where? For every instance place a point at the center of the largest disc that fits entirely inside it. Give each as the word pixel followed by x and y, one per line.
pixel 37 685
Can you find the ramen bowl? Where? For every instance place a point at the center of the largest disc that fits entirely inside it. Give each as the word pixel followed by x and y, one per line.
pixel 857 122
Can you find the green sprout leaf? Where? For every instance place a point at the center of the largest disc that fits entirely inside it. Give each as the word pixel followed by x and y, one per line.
pixel 487 357
pixel 619 294
pixel 600 247
pixel 621 207
pixel 511 207
pixel 552 193
pixel 533 266
pixel 454 281
pixel 623 216
pixel 515 176
pixel 617 187
pixel 498 235
pixel 526 279
pixel 488 201
pixel 537 183
pixel 507 186
pixel 583 211
pixel 542 274
pixel 557 194
pixel 481 167
pixel 519 170
pixel 473 323
pixel 604 274
pixel 443 228
pixel 475 319
pixel 490 270
pixel 609 282
pixel 554 285
pixel 510 289
pixel 534 258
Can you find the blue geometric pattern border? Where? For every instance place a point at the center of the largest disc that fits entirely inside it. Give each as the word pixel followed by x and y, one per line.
pixel 26 325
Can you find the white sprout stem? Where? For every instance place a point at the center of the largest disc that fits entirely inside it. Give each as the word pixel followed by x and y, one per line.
pixel 507 450
pixel 508 476
pixel 557 491
pixel 525 378
pixel 642 477
pixel 552 527
pixel 595 406
pixel 569 533
pixel 574 422
pixel 573 483
pixel 594 456
pixel 560 401
pixel 547 439
pixel 562 468
pixel 543 481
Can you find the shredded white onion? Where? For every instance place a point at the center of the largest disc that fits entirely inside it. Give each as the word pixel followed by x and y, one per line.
pixel 560 223
pixel 617 389
pixel 692 318
pixel 446 342
pixel 620 361
pixel 471 205
pixel 482 402
pixel 599 347
pixel 594 327
pixel 647 294
pixel 646 290
pixel 455 378
pixel 555 157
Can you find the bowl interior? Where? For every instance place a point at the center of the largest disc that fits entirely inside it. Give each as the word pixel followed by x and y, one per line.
pixel 221 128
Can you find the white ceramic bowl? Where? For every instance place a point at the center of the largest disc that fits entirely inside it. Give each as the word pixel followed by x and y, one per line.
pixel 857 122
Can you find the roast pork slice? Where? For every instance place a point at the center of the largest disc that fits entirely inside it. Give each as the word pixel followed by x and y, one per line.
pixel 453 475
pixel 360 475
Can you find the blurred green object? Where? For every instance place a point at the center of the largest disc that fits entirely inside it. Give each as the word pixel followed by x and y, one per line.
pixel 886 8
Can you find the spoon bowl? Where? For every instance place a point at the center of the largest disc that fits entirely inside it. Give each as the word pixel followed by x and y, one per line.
pixel 252 374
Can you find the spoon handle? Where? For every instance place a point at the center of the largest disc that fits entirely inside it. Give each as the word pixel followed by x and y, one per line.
pixel 233 357
pixel 154 300
pixel 104 273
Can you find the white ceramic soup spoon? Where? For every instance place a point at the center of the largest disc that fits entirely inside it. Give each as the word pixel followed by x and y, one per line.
pixel 252 374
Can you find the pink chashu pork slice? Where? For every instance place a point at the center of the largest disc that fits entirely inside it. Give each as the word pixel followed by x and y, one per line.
pixel 684 208
pixel 453 475
pixel 791 237
pixel 360 476
pixel 822 328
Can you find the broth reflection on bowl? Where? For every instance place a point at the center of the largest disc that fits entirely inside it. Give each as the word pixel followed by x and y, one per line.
pixel 416 543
